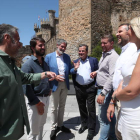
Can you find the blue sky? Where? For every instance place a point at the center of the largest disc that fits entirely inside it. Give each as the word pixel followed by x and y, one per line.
pixel 24 13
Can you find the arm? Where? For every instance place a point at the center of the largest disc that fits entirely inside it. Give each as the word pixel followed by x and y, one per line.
pixel 108 84
pixel 75 67
pixel 133 89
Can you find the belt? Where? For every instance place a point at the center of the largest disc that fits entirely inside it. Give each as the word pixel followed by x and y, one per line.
pixel 43 95
pixel 86 86
pixel 100 87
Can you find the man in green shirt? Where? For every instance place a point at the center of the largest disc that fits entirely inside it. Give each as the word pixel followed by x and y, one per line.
pixel 13 113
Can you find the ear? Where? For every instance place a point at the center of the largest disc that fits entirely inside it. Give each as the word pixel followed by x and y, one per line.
pixel 6 37
pixel 33 49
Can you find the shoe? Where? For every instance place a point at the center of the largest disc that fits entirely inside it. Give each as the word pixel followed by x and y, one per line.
pixel 65 129
pixel 90 137
pixel 82 129
pixel 53 133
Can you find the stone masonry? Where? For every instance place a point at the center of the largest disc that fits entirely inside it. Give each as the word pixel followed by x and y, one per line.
pixel 83 22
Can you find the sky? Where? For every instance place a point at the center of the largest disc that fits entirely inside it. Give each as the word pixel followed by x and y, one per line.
pixel 24 13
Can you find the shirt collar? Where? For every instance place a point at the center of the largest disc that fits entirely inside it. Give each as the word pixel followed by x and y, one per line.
pixel 3 53
pixel 58 55
pixel 35 58
pixel 85 59
pixel 107 53
pixel 125 47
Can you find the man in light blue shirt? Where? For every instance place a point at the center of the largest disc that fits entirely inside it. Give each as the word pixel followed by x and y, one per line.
pixel 85 90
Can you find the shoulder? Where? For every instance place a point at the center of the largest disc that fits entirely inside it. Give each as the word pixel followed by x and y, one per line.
pixel 50 54
pixel 27 61
pixel 75 61
pixel 92 59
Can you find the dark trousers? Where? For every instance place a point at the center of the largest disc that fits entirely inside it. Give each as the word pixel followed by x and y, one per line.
pixel 86 101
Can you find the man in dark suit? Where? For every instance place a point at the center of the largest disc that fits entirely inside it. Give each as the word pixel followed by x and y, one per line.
pixel 85 89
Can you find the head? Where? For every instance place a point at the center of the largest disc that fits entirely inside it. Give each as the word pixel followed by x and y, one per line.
pixel 83 51
pixel 9 39
pixel 134 32
pixel 61 46
pixel 37 46
pixel 107 42
pixel 122 34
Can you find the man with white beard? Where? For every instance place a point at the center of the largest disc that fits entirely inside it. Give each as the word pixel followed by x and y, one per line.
pixel 60 63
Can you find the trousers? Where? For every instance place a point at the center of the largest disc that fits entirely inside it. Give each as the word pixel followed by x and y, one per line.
pixel 86 102
pixel 37 121
pixel 107 129
pixel 58 105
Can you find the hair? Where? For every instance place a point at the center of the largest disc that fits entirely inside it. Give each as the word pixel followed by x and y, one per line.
pixel 81 45
pixel 126 26
pixel 7 29
pixel 109 37
pixel 34 40
pixel 60 41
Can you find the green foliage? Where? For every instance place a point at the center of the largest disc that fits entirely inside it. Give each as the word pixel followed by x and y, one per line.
pixel 97 50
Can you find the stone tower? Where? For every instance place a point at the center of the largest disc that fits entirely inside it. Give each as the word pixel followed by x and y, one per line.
pixel 85 21
pixel 48 30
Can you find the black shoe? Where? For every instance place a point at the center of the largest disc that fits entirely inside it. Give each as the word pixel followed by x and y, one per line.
pixel 90 137
pixel 65 129
pixel 82 129
pixel 53 133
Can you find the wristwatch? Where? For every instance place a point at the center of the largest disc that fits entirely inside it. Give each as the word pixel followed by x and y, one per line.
pixel 102 94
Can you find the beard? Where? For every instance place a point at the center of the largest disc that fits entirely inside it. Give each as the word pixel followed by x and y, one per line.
pixel 60 51
pixel 39 53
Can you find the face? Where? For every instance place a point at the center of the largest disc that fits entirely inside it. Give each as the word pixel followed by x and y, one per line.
pixel 122 35
pixel 39 49
pixel 14 45
pixel 106 45
pixel 83 53
pixel 61 48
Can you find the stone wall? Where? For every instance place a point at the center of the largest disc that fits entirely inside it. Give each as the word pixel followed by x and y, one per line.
pixel 100 20
pixel 75 24
pixel 123 12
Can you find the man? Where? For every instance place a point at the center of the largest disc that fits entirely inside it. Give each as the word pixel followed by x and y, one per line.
pixel 13 113
pixel 60 63
pixel 85 90
pixel 128 49
pixel 37 100
pixel 104 83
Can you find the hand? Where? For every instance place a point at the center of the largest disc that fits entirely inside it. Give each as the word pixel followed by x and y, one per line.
pixel 50 92
pixel 59 78
pixel 100 99
pixel 40 108
pixel 93 74
pixel 51 75
pixel 76 65
pixel 110 112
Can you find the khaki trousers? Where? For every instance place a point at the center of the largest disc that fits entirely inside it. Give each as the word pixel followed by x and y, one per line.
pixel 58 105
pixel 118 134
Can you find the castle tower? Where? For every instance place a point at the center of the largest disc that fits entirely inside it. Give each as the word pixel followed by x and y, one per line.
pixel 83 22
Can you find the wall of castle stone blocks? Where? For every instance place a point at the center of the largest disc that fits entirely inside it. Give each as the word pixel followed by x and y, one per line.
pixel 75 24
pixel 123 12
pixel 100 20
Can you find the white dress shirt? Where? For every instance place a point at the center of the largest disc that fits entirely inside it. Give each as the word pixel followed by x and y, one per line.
pixel 83 73
pixel 60 64
pixel 127 51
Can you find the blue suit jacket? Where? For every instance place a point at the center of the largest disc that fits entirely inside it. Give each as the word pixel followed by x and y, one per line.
pixel 50 59
pixel 93 64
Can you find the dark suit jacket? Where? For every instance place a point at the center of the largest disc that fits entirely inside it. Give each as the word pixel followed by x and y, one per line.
pixel 93 63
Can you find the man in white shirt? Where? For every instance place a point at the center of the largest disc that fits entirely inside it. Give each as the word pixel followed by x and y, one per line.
pixel 128 49
pixel 59 62
pixel 85 90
